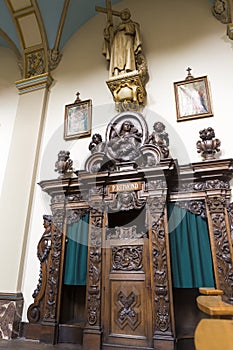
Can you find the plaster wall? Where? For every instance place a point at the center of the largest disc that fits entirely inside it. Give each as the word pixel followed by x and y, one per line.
pixel 9 73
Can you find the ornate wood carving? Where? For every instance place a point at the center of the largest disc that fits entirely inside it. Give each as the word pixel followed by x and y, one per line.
pixel 44 308
pixel 208 145
pixel 230 215
pixel 74 215
pixel 94 269
pixel 160 269
pixel 195 207
pixel 127 314
pixel 64 164
pixel 125 233
pixel 127 258
pixel 222 245
pixel 126 201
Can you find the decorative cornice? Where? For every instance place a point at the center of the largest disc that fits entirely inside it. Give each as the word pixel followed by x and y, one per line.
pixel 41 81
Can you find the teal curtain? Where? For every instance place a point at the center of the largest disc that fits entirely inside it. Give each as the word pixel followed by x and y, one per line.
pixel 75 270
pixel 190 251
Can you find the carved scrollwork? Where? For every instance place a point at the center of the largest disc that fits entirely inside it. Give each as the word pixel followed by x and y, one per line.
pixel 58 217
pixel 94 271
pixel 156 207
pixel 195 207
pixel 97 190
pixel 126 201
pixel 211 184
pixel 155 184
pixel 53 277
pixel 127 258
pixel 230 215
pixel 74 215
pixel 75 197
pixel 216 204
pixel 59 198
pixel 125 233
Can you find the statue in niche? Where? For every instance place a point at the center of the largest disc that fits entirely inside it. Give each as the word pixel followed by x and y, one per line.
pixel 96 144
pixel 123 146
pixel 159 137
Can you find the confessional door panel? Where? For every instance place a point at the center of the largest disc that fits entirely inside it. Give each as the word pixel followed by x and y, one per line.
pixel 127 309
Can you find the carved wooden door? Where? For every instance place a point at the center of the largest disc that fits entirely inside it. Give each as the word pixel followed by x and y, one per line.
pixel 127 305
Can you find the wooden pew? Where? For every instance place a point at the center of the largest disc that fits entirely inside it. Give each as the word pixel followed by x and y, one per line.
pixel 214 334
pixel 214 306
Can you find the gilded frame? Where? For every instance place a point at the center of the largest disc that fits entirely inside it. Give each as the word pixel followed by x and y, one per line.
pixel 78 119
pixel 192 97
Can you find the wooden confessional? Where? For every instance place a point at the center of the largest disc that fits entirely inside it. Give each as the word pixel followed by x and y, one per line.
pixel 125 189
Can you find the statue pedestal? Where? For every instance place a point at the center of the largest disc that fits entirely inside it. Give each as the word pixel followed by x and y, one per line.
pixel 128 91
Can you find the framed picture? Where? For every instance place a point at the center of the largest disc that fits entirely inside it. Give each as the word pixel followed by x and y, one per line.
pixel 78 118
pixel 192 98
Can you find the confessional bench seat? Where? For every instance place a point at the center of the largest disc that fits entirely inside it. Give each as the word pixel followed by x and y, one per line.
pixel 212 304
pixel 214 334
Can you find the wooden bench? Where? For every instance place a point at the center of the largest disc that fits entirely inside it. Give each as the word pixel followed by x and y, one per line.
pixel 213 305
pixel 210 291
pixel 214 334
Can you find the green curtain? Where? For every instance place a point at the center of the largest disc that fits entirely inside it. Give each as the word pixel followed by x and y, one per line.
pixel 75 270
pixel 190 251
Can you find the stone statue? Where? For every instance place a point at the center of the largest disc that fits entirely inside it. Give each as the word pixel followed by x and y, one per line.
pixel 125 45
pixel 122 43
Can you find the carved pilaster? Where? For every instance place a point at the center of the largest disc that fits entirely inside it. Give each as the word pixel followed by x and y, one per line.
pixel 230 215
pixel 93 324
pixel 221 245
pixel 161 272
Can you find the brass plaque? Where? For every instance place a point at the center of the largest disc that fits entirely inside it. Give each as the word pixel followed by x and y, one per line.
pixel 126 187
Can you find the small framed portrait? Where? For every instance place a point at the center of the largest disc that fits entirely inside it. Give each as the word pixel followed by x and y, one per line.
pixel 78 119
pixel 192 97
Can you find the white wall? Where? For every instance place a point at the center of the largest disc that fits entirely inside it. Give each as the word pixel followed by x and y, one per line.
pixel 9 73
pixel 176 35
